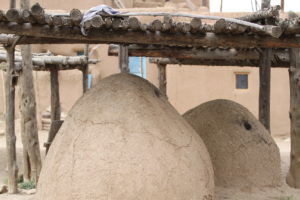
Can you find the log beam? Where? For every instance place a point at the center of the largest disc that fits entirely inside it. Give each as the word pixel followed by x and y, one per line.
pixel 55 102
pixel 136 37
pixel 262 14
pixel 54 128
pixel 293 177
pixel 162 77
pixel 123 59
pixel 220 63
pixel 204 56
pixel 265 87
pixel 85 70
pixel 10 83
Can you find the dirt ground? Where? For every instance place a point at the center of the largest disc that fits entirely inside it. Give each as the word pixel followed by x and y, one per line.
pixel 280 193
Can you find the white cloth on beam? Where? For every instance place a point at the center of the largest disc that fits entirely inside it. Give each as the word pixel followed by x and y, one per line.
pixel 103 10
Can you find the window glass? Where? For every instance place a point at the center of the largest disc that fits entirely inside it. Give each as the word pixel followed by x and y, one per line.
pixel 241 81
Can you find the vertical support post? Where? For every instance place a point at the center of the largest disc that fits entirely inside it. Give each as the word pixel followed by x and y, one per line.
pixel 55 108
pixel 85 70
pixel 293 177
pixel 12 4
pixel 162 78
pixel 123 59
pixel 55 102
pixel 29 131
pixel 265 80
pixel 10 83
pixel 265 87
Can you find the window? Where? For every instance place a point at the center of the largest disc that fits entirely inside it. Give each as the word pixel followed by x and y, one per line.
pixel 241 81
pixel 80 53
pixel 137 66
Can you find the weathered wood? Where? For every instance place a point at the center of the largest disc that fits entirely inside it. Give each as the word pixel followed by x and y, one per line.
pixel 29 126
pixel 28 114
pixel 123 59
pixel 2 16
pixel 204 56
pixel 85 70
pixel 134 23
pixel 156 25
pixel 265 80
pixel 220 63
pixel 293 177
pixel 38 13
pixel 10 82
pixel 12 4
pixel 262 14
pixel 116 23
pixel 44 60
pixel 108 22
pixel 27 16
pixel 14 15
pixel 137 37
pixel 156 14
pixel 55 99
pixel 221 26
pixel 265 87
pixel 54 128
pixel 195 25
pixel 76 16
pixel 97 21
pixel 162 78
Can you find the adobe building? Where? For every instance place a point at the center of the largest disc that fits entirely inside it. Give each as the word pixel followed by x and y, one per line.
pixel 187 86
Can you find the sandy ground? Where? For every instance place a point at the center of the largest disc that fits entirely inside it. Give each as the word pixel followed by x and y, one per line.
pixel 280 193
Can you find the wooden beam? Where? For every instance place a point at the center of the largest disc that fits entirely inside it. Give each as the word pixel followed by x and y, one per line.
pixel 55 102
pixel 54 128
pixel 138 37
pixel 10 82
pixel 85 70
pixel 28 113
pixel 265 87
pixel 221 63
pixel 204 56
pixel 162 78
pixel 262 14
pixel 293 177
pixel 123 59
pixel 44 62
pixel 186 53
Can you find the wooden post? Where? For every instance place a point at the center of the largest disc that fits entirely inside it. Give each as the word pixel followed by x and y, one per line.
pixel 55 126
pixel 85 70
pixel 264 87
pixel 55 102
pixel 10 83
pixel 293 177
pixel 31 149
pixel 123 59
pixel 265 80
pixel 12 4
pixel 162 78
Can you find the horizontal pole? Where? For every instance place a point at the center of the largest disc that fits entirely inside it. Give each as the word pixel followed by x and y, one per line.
pixel 203 56
pixel 225 63
pixel 104 36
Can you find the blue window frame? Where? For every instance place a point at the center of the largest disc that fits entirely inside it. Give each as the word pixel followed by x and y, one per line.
pixel 137 66
pixel 241 81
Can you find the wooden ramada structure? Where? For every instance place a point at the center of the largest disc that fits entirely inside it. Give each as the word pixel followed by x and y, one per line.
pixel 247 41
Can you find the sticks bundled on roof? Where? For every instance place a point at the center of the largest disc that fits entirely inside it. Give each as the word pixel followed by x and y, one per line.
pixel 37 15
